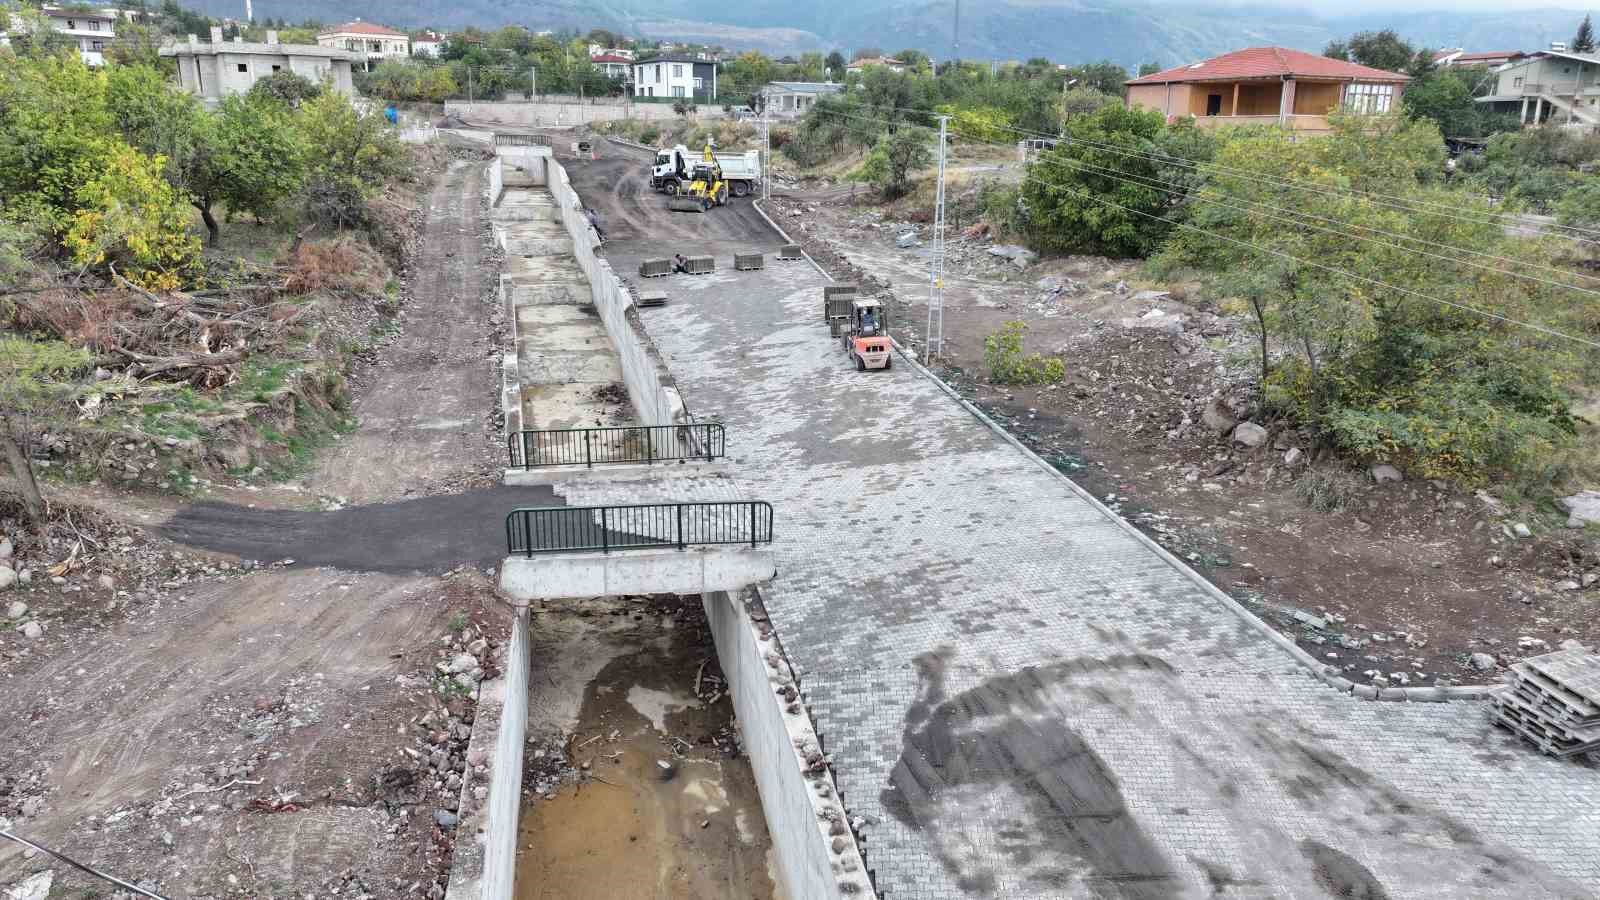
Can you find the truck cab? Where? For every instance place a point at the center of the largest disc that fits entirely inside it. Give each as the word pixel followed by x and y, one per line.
pixel 671 169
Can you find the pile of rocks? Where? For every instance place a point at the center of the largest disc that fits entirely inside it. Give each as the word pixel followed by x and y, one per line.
pixel 1553 701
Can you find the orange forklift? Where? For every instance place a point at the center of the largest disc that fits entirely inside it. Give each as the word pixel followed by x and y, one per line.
pixel 866 336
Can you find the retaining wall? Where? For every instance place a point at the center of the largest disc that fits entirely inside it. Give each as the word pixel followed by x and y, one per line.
pixel 798 796
pixel 655 401
pixel 546 113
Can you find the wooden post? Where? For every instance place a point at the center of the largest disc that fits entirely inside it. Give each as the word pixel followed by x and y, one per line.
pixel 1235 110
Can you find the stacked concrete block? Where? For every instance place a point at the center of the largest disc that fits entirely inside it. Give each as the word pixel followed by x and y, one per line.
pixel 655 268
pixel 701 265
pixel 833 292
pixel 749 262
pixel 789 251
pixel 1553 701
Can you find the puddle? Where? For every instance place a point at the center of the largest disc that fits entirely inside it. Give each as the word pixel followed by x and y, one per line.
pixel 662 804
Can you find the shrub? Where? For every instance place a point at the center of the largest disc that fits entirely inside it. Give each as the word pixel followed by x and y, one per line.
pixel 1002 352
pixel 1328 489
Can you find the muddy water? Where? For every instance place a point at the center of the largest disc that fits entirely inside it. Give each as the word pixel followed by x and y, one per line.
pixel 661 804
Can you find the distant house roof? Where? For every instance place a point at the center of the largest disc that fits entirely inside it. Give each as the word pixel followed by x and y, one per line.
pixel 1588 58
pixel 359 27
pixel 875 61
pixel 672 58
pixel 1463 58
pixel 79 13
pixel 206 48
pixel 610 58
pixel 1269 62
pixel 807 87
pixel 430 37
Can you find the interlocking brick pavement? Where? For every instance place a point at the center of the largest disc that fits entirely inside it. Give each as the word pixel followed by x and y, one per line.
pixel 1025 701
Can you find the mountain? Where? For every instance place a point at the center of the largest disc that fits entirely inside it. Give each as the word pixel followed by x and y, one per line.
pixel 1124 31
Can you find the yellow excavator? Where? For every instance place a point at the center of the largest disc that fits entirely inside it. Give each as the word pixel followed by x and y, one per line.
pixel 705 189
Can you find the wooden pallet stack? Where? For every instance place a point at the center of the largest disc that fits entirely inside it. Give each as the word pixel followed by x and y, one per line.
pixel 1553 701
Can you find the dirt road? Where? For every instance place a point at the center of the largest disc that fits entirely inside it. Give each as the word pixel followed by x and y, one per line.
pixel 617 185
pixel 428 413
pixel 237 734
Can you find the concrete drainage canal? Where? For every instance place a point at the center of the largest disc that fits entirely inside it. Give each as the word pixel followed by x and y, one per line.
pixel 634 780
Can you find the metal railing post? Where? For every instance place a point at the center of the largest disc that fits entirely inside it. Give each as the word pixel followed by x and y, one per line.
pixel 682 544
pixel 588 455
pixel 605 539
pixel 752 525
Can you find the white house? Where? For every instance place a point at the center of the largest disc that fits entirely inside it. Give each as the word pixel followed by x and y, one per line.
pixel 91 30
pixel 675 76
pixel 597 50
pixel 217 69
pixel 428 43
pixel 369 42
pixel 791 99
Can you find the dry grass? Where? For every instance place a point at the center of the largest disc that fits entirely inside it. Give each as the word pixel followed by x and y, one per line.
pixel 344 265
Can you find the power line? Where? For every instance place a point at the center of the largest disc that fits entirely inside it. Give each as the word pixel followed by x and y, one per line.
pixel 1411 205
pixel 1173 188
pixel 1312 263
pixel 78 865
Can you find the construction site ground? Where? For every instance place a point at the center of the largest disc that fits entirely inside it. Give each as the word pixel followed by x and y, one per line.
pixel 1410 577
pixel 244 724
pixel 1020 698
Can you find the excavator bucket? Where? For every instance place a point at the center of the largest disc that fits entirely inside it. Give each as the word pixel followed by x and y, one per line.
pixel 686 203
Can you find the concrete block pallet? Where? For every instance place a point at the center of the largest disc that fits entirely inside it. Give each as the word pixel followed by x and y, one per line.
pixel 749 262
pixel 701 265
pixel 790 251
pixel 1553 701
pixel 655 268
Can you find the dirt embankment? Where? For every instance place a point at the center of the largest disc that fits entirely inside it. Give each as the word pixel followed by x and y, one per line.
pixel 1402 582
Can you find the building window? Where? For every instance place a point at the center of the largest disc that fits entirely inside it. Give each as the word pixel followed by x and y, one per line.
pixel 94 26
pixel 658 74
pixel 97 46
pixel 677 90
pixel 677 71
pixel 1368 98
pixel 277 68
pixel 1516 82
pixel 71 24
pixel 243 67
pixel 699 84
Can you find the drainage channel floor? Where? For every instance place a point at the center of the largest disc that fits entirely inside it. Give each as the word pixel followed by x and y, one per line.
pixel 634 784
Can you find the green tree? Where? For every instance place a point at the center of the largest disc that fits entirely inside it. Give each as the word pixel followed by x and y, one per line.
pixel 56 132
pixel 1378 49
pixel 131 218
pixel 904 152
pixel 1149 68
pixel 37 379
pixel 289 88
pixel 1583 41
pixel 1084 101
pixel 351 154
pixel 1100 190
pixel 1445 96
pixel 835 65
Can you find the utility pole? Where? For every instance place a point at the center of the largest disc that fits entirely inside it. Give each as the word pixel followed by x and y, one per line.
pixel 933 336
pixel 955 36
pixel 766 162
pixel 469 85
pixel 533 85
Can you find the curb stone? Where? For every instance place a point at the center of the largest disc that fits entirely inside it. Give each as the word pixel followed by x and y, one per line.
pixel 1328 675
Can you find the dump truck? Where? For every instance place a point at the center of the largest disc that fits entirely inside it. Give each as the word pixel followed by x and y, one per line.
pixel 673 170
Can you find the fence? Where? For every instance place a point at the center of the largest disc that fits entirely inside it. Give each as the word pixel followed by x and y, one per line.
pixel 503 139
pixel 558 529
pixel 590 447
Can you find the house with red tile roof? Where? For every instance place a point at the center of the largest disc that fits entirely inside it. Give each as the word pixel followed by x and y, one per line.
pixel 1267 85
pixel 369 41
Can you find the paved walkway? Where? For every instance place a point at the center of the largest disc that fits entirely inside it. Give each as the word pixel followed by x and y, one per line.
pixel 1024 701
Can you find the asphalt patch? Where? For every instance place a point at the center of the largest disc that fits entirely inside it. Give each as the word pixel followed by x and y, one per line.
pixel 425 534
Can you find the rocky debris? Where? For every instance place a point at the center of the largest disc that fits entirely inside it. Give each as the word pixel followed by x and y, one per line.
pixel 16 609
pixel 8 577
pixel 1384 472
pixel 34 887
pixel 1521 530
pixel 1249 434
pixel 1582 508
pixel 31 630
pixel 1156 320
pixel 1019 256
pixel 1151 296
pixel 1218 417
pixel 1293 457
pixel 906 240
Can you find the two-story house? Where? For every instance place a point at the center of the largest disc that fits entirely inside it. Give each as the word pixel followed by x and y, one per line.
pixel 1549 86
pixel 1267 85
pixel 89 30
pixel 675 76
pixel 371 43
pixel 868 62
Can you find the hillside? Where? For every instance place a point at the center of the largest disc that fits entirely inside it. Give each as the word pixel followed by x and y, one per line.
pixel 1064 30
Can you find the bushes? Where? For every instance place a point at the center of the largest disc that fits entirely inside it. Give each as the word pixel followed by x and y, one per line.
pixel 1002 353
